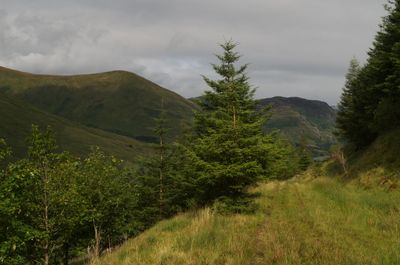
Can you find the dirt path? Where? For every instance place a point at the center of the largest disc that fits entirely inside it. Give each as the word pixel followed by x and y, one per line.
pixel 259 238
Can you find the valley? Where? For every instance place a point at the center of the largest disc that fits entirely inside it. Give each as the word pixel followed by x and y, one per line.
pixel 138 133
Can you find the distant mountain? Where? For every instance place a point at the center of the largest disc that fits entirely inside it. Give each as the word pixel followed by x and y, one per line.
pixel 126 104
pixel 118 101
pixel 302 121
pixel 15 126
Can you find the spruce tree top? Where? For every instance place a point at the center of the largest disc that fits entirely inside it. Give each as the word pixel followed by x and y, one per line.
pixel 231 96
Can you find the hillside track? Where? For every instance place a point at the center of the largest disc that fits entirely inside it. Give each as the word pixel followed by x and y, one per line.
pixel 326 222
pixel 318 221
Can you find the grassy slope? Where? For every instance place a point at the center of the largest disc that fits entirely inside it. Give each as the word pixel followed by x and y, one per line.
pixel 318 221
pixel 17 117
pixel 117 101
pixel 302 120
pixel 384 153
pixel 310 219
pixel 377 165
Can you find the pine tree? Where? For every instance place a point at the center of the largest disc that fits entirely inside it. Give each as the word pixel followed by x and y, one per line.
pixel 4 150
pixel 229 150
pixel 160 131
pixel 371 99
pixel 346 108
pixel 162 187
pixel 384 72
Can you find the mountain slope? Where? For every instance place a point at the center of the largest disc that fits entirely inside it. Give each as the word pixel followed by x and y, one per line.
pixel 302 121
pixel 319 221
pixel 118 101
pixel 15 126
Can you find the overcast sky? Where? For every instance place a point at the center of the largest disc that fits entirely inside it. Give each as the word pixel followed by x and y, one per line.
pixel 295 47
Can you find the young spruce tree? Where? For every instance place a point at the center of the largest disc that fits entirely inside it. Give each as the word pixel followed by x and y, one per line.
pixel 229 147
pixel 346 112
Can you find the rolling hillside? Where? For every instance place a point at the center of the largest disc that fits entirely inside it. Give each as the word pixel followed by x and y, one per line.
pixel 302 121
pixel 17 117
pixel 118 101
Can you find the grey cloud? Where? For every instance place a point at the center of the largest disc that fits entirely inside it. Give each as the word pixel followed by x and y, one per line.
pixel 298 48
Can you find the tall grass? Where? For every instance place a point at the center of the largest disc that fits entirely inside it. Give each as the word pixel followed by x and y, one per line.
pixel 320 221
pixel 325 222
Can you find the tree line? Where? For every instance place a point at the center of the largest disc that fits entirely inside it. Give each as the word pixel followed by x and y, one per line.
pixel 55 206
pixel 370 100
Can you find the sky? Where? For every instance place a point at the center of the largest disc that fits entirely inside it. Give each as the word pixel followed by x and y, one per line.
pixel 294 47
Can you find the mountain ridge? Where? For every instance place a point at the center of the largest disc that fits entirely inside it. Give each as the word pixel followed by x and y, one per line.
pixel 116 101
pixel 302 121
pixel 127 104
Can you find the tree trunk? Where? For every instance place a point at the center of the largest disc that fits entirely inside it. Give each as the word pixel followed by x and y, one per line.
pixel 234 117
pixel 46 254
pixel 161 180
pixel 97 237
pixel 66 254
pixel 343 162
pixel 46 214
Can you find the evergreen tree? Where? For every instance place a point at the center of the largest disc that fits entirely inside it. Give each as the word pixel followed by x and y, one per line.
pixel 229 150
pixel 345 116
pixel 371 98
pixel 377 97
pixel 163 189
pixel 4 150
pixel 160 131
pixel 304 155
pixel 384 72
pixel 152 175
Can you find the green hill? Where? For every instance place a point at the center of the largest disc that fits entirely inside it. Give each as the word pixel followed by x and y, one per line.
pixel 303 121
pixel 17 117
pixel 118 101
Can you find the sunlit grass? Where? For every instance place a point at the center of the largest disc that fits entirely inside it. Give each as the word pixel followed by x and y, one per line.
pixel 320 221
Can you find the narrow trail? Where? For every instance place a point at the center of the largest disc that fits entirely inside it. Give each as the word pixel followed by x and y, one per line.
pixel 318 222
pixel 299 221
pixel 259 238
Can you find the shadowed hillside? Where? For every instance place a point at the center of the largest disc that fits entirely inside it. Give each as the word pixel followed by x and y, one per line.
pixel 17 117
pixel 118 101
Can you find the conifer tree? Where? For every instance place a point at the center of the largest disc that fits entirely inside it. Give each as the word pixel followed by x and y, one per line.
pixel 384 73
pixel 161 184
pixel 229 150
pixel 160 131
pixel 371 99
pixel 346 107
